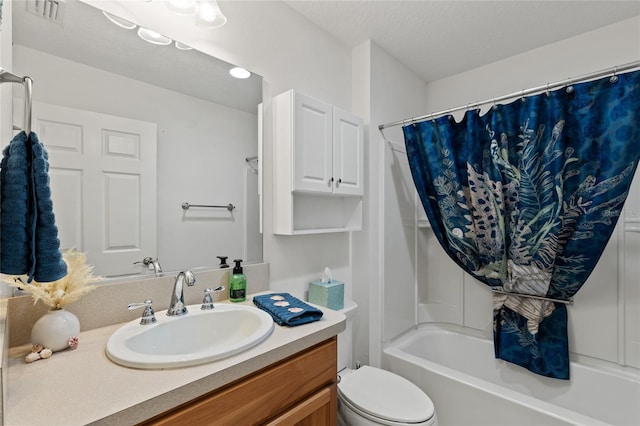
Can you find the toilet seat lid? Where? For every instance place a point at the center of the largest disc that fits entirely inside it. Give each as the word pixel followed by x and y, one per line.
pixel 385 395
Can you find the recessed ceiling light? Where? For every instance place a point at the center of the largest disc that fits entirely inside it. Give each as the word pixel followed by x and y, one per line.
pixel 182 46
pixel 239 72
pixel 123 23
pixel 153 37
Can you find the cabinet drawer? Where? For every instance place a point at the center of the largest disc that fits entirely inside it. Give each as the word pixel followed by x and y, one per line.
pixel 319 409
pixel 263 396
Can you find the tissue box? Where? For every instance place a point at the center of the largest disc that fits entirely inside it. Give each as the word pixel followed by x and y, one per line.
pixel 330 294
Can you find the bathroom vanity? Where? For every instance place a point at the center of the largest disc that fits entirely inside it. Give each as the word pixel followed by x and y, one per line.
pixel 300 389
pixel 288 378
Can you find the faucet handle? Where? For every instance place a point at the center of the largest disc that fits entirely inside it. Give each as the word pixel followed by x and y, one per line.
pixel 150 263
pixel 148 316
pixel 207 301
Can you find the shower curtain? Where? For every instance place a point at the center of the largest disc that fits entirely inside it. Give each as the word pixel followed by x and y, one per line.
pixel 526 197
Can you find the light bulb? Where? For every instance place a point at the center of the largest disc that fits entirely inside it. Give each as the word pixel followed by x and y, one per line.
pixel 123 23
pixel 182 7
pixel 209 14
pixel 239 72
pixel 153 37
pixel 182 46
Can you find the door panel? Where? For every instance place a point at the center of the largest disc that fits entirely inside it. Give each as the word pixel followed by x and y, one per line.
pixel 312 145
pixel 103 182
pixel 348 143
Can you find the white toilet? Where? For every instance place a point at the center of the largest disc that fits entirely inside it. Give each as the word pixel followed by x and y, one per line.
pixel 371 396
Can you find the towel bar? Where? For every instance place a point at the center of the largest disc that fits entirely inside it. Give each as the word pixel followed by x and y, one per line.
pixel 186 206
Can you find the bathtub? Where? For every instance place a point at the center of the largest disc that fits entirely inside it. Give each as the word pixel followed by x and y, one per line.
pixel 468 386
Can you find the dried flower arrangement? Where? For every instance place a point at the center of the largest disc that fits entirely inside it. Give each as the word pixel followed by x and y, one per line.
pixel 66 290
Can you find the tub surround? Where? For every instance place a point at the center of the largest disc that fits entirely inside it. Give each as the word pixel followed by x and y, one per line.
pixel 84 387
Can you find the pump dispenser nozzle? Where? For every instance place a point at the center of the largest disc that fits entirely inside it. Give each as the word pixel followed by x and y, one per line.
pixel 223 262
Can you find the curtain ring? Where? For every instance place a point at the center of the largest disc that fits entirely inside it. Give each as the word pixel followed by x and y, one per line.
pixel 614 77
pixel 569 86
pixel 522 96
pixel 547 92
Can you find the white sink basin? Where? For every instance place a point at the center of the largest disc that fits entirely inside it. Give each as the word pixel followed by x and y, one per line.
pixel 195 338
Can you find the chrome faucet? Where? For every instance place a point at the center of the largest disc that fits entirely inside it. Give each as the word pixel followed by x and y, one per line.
pixel 177 307
pixel 151 261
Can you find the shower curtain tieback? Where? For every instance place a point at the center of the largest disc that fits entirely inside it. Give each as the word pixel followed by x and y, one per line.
pixel 526 197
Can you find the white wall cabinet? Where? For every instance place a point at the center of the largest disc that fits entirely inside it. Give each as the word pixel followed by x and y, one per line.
pixel 318 165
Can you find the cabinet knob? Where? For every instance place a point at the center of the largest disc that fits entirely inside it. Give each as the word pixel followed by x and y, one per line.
pixel 330 181
pixel 339 182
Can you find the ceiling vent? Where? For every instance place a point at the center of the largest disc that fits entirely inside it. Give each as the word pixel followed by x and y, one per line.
pixel 51 10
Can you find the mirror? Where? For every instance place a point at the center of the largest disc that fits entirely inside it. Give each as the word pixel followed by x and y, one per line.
pixel 100 94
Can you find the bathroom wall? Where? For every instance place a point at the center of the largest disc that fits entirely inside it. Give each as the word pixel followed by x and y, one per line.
pixel 271 39
pixel 6 89
pixel 383 256
pixel 403 95
pixel 606 310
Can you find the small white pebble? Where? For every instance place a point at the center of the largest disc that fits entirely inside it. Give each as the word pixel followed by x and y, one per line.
pixel 33 356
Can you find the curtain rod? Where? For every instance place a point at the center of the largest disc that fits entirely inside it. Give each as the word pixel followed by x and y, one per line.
pixel 549 86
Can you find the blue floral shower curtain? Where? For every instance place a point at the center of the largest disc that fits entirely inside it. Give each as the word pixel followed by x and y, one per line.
pixel 526 197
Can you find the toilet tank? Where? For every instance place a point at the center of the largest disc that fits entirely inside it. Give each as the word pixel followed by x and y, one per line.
pixel 345 339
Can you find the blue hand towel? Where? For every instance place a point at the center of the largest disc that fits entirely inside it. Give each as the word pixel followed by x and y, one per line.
pixel 287 309
pixel 28 236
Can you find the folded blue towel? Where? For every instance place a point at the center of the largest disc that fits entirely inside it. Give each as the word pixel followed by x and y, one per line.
pixel 286 309
pixel 28 237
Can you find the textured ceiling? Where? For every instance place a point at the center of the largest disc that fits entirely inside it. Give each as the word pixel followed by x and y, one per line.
pixel 440 38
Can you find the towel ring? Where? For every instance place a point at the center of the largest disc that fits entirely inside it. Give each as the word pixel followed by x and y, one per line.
pixel 570 86
pixel 27 82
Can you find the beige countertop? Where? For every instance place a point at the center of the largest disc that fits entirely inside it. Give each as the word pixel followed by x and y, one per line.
pixel 83 386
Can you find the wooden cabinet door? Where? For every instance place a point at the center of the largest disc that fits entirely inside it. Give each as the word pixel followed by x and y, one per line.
pixel 301 387
pixel 312 145
pixel 348 159
pixel 318 410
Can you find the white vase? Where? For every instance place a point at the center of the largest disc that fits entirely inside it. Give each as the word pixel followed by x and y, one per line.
pixel 54 329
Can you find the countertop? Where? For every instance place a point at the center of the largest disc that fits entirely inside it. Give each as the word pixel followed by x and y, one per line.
pixel 83 386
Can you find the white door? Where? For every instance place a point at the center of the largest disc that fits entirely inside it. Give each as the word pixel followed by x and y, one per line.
pixel 348 159
pixel 312 145
pixel 103 183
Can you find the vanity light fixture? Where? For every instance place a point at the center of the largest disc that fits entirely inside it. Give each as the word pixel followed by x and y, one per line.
pixel 153 37
pixel 182 46
pixel 239 72
pixel 182 7
pixel 122 23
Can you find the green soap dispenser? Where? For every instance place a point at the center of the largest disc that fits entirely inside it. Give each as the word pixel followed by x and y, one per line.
pixel 237 284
